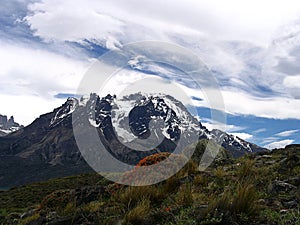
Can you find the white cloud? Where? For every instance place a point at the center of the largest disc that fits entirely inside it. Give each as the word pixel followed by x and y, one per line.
pixel 98 19
pixel 202 26
pixel 211 124
pixel 279 144
pixel 281 64
pixel 273 107
pixel 244 136
pixel 261 130
pixel 230 128
pixel 287 133
pixel 292 81
pixel 268 140
pixel 25 108
pixel 199 26
pixel 292 85
pixel 29 78
pixel 236 102
pixel 37 72
pixel 73 21
pixel 239 102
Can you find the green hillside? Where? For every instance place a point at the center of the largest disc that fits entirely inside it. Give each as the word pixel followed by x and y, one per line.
pixel 263 188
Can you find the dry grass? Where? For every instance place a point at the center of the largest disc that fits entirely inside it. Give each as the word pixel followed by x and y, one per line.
pixel 138 214
pixel 245 200
pixel 30 219
pixel 219 172
pixel 246 171
pixel 70 209
pixel 185 197
pixel 241 201
pixel 200 180
pixel 132 195
pixel 94 206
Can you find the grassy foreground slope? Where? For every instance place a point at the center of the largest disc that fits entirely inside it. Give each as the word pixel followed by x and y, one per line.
pixel 262 188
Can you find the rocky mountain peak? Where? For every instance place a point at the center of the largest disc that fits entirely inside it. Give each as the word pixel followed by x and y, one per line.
pixel 8 125
pixel 130 128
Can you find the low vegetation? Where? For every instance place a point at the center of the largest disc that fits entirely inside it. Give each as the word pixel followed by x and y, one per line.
pixel 255 189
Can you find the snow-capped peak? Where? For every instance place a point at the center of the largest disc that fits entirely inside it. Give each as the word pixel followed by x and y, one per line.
pixel 66 109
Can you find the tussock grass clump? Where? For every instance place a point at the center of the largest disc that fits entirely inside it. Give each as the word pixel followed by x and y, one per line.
pixel 244 200
pixel 171 185
pixel 30 219
pixel 56 200
pixel 139 213
pixel 185 197
pixel 230 206
pixel 70 209
pixel 94 206
pixel 190 168
pixel 130 196
pixel 220 204
pixel 200 180
pixel 219 172
pixel 246 171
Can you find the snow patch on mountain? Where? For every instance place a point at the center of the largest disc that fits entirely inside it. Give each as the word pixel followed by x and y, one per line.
pixel 67 109
pixel 155 117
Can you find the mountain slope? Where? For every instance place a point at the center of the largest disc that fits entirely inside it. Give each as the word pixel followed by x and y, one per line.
pixel 47 147
pixel 262 188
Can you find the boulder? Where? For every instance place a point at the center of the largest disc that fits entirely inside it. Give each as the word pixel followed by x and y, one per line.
pixel 280 186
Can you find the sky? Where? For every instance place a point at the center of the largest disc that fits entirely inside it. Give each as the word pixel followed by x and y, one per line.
pixel 252 48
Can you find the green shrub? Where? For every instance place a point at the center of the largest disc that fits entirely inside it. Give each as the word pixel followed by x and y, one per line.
pixel 291 216
pixel 183 218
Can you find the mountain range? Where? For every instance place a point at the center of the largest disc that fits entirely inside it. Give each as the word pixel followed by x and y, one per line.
pixel 47 147
pixel 8 125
